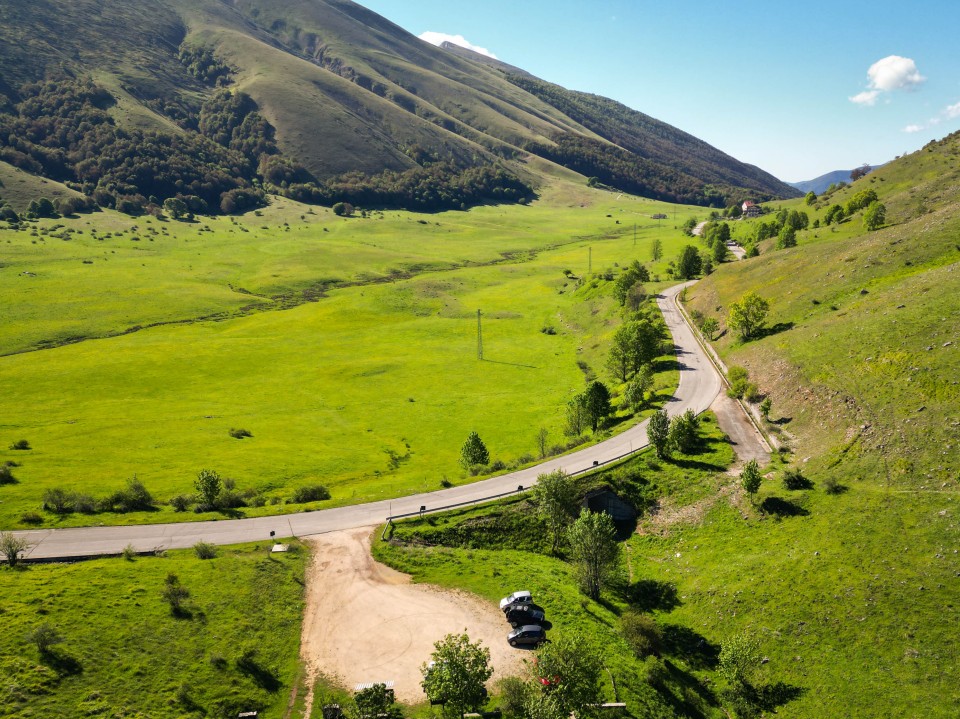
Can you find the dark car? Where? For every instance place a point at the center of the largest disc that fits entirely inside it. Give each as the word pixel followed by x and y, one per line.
pixel 530 635
pixel 522 615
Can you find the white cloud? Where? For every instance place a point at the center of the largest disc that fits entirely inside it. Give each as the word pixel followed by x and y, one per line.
pixel 886 75
pixel 867 97
pixel 438 38
pixel 910 129
pixel 952 111
pixel 894 73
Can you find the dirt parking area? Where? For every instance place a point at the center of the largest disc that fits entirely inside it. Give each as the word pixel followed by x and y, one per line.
pixel 365 622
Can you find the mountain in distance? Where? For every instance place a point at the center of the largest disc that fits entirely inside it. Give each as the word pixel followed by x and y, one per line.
pixel 820 184
pixel 325 88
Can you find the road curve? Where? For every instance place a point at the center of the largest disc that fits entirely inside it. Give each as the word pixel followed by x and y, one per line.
pixel 699 385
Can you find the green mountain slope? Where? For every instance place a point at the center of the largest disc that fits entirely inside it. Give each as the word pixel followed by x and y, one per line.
pixel 851 585
pixel 341 88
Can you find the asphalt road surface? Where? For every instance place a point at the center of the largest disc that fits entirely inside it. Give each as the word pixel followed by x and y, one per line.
pixel 699 385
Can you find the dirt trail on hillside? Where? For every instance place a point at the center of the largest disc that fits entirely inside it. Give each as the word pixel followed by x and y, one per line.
pixel 365 622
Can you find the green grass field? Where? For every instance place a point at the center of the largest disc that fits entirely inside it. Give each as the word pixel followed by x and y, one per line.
pixel 370 390
pixel 125 654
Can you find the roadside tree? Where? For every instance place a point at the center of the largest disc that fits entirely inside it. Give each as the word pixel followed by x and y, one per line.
pixel 684 432
pixel 474 452
pixel 457 674
pixel 747 316
pixel 635 395
pixel 597 403
pixel 576 415
pixel 12 547
pixel 209 485
pixel 750 478
pixel 595 550
pixel 656 250
pixel 658 432
pixel 556 498
pixel 689 264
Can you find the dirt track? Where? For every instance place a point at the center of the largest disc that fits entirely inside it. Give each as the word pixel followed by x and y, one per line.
pixel 365 622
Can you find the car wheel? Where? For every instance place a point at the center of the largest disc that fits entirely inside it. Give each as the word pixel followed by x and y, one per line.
pixel 514 624
pixel 513 642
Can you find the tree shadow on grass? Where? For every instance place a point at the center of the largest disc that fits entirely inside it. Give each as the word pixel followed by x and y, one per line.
pixel 774 329
pixel 264 677
pixel 766 698
pixel 694 464
pixel 693 694
pixel 782 508
pixel 693 648
pixel 646 595
pixel 61 662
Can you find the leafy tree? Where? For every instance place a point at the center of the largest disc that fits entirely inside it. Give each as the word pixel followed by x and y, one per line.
pixel 658 432
pixel 635 396
pixel 45 637
pixel 542 435
pixel 786 238
pixel 12 546
pixel 689 225
pixel 750 477
pixel 570 669
pixel 597 403
pixel 577 417
pixel 542 705
pixel 457 674
pixel 797 220
pixel 719 252
pixel 860 200
pixel 594 547
pixel 709 327
pixel 874 216
pixel 209 485
pixel 684 432
pixel 556 498
pixel 635 343
pixel 176 207
pixel 810 198
pixel 631 276
pixel 834 214
pixel 376 702
pixel 343 209
pixel 474 452
pixel 747 317
pixel 765 408
pixel 859 172
pixel 656 250
pixel 689 264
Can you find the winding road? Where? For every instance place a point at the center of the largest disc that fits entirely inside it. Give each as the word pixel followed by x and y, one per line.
pixel 699 386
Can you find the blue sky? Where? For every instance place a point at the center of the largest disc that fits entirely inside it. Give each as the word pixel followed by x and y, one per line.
pixel 780 85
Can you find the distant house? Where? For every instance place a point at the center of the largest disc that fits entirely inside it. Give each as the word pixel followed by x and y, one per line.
pixel 750 209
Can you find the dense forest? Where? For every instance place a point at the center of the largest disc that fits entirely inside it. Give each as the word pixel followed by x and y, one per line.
pixel 626 171
pixel 222 160
pixel 653 140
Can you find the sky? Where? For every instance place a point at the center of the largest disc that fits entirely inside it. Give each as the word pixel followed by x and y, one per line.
pixel 797 88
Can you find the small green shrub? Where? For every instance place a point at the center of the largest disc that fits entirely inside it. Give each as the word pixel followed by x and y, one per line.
pixel 205 550
pixel 31 518
pixel 181 503
pixel 793 479
pixel 20 444
pixel 310 493
pixel 129 553
pixel 240 433
pixel 642 634
pixel 6 474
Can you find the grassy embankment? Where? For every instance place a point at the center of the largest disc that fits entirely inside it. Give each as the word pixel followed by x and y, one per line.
pixel 233 647
pixel 499 548
pixel 371 390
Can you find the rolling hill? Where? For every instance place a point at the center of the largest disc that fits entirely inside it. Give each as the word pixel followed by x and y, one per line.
pixel 821 183
pixel 336 88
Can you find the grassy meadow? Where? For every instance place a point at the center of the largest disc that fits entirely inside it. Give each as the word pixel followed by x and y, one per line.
pixel 234 646
pixel 345 346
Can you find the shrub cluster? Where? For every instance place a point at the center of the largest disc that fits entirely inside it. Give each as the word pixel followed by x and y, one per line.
pixel 135 497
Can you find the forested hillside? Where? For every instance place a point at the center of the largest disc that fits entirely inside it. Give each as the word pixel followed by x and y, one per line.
pixel 213 104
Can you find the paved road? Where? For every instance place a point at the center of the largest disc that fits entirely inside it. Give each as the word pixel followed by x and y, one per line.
pixel 699 385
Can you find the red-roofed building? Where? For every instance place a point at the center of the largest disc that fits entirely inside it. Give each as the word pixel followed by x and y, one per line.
pixel 750 209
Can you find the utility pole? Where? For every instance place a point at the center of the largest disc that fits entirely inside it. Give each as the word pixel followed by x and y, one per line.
pixel 479 338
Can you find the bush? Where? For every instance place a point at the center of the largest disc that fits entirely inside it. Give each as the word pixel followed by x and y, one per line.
pixel 343 209
pixel 793 479
pixel 205 550
pixel 240 433
pixel 832 486
pixel 6 474
pixel 31 518
pixel 642 634
pixel 85 503
pixel 310 493
pixel 135 497
pixel 58 501
pixel 230 499
pixel 129 553
pixel 20 444
pixel 181 503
